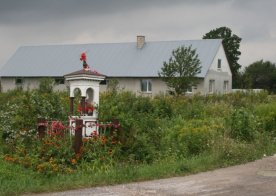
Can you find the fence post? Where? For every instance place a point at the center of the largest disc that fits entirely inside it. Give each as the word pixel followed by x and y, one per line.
pixel 78 136
pixel 41 127
pixel 71 106
pixel 116 125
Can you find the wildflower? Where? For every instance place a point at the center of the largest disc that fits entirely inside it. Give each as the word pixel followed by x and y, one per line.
pixel 78 155
pixel 95 133
pixel 104 140
pixel 113 141
pixel 9 158
pixel 73 161
pixel 85 139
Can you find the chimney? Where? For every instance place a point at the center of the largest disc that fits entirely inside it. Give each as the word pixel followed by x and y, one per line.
pixel 140 41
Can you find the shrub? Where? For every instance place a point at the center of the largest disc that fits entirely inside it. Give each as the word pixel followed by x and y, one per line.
pixel 46 85
pixel 189 138
pixel 267 115
pixel 232 151
pixel 242 125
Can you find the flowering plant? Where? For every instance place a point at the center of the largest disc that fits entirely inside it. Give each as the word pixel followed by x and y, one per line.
pixel 88 109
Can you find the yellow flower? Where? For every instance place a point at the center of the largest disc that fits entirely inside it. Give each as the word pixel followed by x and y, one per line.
pixel 73 161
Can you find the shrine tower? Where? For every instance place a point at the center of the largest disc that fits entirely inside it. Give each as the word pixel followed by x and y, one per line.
pixel 88 83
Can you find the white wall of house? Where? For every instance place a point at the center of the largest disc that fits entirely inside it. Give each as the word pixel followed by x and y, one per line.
pixel 158 86
pixel 27 83
pixel 134 84
pixel 219 76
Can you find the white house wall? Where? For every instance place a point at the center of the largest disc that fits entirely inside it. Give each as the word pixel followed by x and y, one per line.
pixel 134 85
pixel 126 84
pixel 28 83
pixel 218 75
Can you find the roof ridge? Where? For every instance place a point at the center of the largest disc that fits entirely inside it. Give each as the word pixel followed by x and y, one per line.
pixel 111 43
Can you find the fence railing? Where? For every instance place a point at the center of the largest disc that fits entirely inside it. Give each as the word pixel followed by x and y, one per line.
pixel 55 127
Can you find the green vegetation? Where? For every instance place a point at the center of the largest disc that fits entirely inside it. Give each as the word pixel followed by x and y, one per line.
pixel 159 137
pixel 181 70
pixel 259 75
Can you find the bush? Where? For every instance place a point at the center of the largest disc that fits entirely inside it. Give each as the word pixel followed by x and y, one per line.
pixel 267 115
pixel 242 125
pixel 189 138
pixel 46 85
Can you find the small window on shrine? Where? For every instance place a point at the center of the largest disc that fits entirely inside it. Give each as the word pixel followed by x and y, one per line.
pixel 18 81
pixel 59 81
pixel 103 82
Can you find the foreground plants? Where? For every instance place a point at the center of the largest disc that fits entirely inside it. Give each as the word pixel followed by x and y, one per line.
pixel 159 137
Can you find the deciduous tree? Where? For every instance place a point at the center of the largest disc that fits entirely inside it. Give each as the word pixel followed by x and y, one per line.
pixel 180 71
pixel 261 75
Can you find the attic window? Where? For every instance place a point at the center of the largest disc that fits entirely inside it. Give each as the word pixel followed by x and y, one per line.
pixel 219 64
pixel 18 81
pixel 59 81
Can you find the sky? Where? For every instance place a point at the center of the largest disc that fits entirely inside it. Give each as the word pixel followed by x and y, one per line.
pixel 40 22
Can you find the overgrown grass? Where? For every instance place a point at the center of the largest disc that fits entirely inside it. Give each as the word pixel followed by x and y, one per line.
pixel 16 180
pixel 160 137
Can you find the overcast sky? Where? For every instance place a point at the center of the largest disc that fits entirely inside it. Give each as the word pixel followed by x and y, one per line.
pixel 38 22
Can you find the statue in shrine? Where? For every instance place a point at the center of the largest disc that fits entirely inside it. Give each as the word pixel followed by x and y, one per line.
pixel 83 59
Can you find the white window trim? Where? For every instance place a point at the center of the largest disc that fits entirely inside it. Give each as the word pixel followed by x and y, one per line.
pixel 225 86
pixel 211 86
pixel 219 63
pixel 19 83
pixel 148 81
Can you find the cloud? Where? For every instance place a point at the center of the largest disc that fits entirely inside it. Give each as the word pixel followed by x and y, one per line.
pixel 36 22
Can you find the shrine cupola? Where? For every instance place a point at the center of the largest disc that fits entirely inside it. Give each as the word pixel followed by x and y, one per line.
pixel 88 83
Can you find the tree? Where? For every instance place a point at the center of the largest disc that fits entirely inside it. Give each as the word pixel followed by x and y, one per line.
pixel 231 44
pixel 46 85
pixel 181 70
pixel 261 75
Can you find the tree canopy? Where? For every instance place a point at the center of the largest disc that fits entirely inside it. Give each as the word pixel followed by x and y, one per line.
pixel 180 71
pixel 261 75
pixel 231 44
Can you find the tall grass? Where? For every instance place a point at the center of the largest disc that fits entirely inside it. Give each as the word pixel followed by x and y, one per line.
pixel 160 137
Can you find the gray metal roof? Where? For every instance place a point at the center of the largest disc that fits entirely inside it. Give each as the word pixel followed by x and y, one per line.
pixel 110 59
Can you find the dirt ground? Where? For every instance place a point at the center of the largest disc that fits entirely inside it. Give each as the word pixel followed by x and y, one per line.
pixel 255 178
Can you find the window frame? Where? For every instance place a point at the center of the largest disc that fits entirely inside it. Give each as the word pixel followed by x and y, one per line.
pixel 211 86
pixel 148 83
pixel 225 86
pixel 219 64
pixel 19 81
pixel 59 81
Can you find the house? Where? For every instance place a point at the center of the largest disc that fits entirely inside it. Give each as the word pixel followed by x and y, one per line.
pixel 135 65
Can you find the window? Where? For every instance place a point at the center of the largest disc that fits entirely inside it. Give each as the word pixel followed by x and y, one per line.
pixel 18 81
pixel 146 86
pixel 219 64
pixel 225 86
pixel 211 86
pixel 59 81
pixel 189 90
pixel 103 82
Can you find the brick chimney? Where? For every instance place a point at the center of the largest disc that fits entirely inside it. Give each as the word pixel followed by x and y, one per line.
pixel 140 41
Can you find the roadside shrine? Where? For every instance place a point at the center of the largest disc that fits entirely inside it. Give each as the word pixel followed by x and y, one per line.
pixel 87 81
